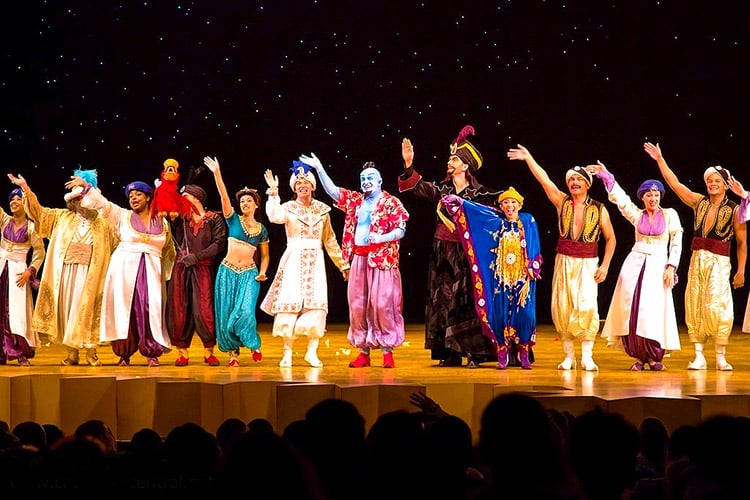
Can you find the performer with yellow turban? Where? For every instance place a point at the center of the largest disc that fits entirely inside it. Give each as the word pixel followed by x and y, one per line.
pixel 505 261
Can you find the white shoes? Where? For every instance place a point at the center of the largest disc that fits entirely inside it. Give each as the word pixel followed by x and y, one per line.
pixel 567 364
pixel 721 361
pixel 286 359
pixel 699 363
pixel 312 358
pixel 587 356
pixel 587 363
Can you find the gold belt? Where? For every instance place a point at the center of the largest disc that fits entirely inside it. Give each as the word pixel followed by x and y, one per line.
pixel 236 268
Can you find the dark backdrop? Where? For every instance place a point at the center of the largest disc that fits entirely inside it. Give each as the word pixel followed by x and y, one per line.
pixel 121 86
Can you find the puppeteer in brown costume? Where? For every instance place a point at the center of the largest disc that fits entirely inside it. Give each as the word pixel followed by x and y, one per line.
pixel 200 237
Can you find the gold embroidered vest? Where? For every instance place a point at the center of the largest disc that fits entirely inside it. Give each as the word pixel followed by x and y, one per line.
pixel 591 219
pixel 723 227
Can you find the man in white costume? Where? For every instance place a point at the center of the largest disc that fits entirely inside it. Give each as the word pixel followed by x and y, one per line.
pixel 298 297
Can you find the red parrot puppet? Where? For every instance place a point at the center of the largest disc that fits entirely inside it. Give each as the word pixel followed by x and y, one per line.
pixel 167 200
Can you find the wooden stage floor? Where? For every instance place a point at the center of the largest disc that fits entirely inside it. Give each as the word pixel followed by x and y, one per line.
pixel 130 398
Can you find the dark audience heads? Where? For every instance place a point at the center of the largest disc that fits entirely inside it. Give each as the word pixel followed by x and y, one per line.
pixel 681 442
pixel 191 449
pixel 654 437
pixel 260 424
pixel 228 432
pixel 720 457
pixel 449 459
pixel 295 433
pixel 515 428
pixel 395 439
pixel 268 467
pixel 604 451
pixel 98 431
pixel 336 446
pixel 335 424
pixel 54 433
pixel 31 434
pixel 146 442
pixel 8 440
pixel 77 462
pixel 505 413
pixel 396 442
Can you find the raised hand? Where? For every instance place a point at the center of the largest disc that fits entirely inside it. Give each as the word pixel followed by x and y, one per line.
pixel 654 151
pixel 423 402
pixel 211 163
pixel 311 160
pixel 519 153
pixel 736 187
pixel 271 180
pixel 75 181
pixel 407 151
pixel 18 181
pixel 594 169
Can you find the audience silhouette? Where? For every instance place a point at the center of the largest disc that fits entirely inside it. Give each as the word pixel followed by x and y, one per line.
pixel 523 450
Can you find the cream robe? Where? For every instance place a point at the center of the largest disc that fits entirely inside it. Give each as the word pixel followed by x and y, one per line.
pixel 60 226
pixel 119 285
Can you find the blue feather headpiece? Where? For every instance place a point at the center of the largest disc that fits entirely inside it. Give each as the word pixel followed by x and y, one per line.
pixel 301 171
pixel 89 176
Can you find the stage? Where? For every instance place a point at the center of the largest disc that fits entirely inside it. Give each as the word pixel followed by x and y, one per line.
pixel 130 398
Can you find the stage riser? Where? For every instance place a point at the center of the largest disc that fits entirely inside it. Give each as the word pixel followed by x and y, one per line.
pixel 128 405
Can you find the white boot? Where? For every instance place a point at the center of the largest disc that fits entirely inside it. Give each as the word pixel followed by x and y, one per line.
pixel 286 358
pixel 312 353
pixel 721 360
pixel 699 363
pixel 587 356
pixel 569 363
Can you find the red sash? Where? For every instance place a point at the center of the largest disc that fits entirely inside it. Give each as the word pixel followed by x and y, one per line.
pixel 577 248
pixel 713 246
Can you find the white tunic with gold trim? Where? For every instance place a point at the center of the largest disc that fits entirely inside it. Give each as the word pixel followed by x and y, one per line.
pixel 300 280
pixel 119 286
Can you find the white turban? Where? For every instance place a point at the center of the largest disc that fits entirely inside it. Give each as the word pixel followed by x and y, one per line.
pixel 723 172
pixel 579 171
pixel 301 171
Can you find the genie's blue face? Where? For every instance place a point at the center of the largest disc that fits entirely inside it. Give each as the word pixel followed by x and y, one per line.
pixel 370 180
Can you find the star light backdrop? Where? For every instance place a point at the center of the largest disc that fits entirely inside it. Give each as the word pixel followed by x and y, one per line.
pixel 121 86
